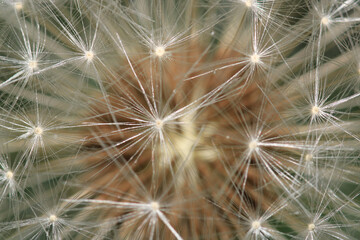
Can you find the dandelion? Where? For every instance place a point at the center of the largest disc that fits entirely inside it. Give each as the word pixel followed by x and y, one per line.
pixel 154 119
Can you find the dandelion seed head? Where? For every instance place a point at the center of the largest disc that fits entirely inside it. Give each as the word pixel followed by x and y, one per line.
pixel 229 133
pixel 311 227
pixel 53 218
pixel 255 225
pixel 255 58
pixel 9 175
pixel 159 51
pixel 89 55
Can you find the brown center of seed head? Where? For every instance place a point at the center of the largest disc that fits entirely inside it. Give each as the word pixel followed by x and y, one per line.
pixel 188 154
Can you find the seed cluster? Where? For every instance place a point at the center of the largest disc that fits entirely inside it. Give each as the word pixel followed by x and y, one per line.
pixel 167 119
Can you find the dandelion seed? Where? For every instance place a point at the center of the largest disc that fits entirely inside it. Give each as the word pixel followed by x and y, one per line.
pixel 255 58
pixel 89 55
pixel 311 227
pixel 53 218
pixel 325 21
pixel 38 130
pixel 18 6
pixel 315 110
pixel 253 145
pixel 159 124
pixel 159 51
pixel 32 64
pixel 155 206
pixel 255 225
pixel 308 157
pixel 248 3
pixel 9 175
